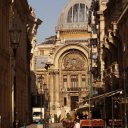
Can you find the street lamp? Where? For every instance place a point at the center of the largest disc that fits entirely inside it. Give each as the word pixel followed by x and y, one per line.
pixel 43 90
pixel 124 87
pixel 14 39
pixel 125 106
pixel 40 78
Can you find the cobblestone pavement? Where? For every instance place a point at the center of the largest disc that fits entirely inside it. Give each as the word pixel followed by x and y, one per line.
pixel 56 125
pixel 30 126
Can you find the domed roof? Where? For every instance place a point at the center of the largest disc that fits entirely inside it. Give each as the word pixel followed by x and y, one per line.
pixel 74 15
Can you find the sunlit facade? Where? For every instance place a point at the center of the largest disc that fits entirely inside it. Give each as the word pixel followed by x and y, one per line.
pixel 68 55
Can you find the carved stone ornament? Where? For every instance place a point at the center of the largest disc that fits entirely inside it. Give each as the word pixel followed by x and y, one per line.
pixel 74 61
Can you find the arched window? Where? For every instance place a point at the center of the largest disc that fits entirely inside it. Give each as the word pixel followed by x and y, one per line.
pixel 77 13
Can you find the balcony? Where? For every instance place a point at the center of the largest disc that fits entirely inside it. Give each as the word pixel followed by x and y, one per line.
pixel 113 70
pixel 75 89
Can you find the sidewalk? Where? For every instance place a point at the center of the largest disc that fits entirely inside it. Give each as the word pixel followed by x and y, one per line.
pixel 52 125
pixel 33 126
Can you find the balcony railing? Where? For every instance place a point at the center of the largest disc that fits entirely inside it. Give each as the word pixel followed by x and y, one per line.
pixel 75 89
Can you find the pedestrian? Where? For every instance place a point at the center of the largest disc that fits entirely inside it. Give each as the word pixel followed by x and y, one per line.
pixel 74 124
pixel 77 124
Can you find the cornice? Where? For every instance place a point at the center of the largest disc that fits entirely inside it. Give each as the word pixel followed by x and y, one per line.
pixel 75 41
pixel 72 26
pixel 73 31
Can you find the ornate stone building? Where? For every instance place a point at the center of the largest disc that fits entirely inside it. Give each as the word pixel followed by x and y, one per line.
pixel 67 56
pixel 20 13
pixel 110 18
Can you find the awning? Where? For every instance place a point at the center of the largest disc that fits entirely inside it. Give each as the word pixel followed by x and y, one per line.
pixel 102 96
pixel 99 97
pixel 86 106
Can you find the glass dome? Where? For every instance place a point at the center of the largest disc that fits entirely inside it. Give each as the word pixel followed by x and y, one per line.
pixel 74 15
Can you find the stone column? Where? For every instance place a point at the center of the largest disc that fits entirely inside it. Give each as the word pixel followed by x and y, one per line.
pixel 57 88
pixel 51 90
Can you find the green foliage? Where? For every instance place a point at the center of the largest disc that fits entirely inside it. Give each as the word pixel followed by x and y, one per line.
pixel 68 116
pixel 75 114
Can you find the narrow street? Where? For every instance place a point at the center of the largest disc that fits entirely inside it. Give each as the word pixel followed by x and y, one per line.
pixel 63 61
pixel 54 125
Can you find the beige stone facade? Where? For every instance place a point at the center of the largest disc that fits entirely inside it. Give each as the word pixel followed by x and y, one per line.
pixel 21 12
pixel 68 55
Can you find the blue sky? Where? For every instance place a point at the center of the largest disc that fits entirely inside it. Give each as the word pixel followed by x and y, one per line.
pixel 48 11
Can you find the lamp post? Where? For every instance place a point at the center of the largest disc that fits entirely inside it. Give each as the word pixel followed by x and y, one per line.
pixel 14 39
pixel 125 106
pixel 41 92
pixel 45 103
pixel 43 88
pixel 124 87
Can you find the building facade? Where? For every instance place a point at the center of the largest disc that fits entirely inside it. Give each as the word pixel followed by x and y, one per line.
pixel 110 18
pixel 20 13
pixel 67 58
pixel 5 88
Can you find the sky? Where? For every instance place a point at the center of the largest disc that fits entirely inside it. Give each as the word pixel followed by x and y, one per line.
pixel 48 11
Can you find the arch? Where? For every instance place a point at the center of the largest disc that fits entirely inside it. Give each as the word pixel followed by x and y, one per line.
pixel 73 60
pixel 67 47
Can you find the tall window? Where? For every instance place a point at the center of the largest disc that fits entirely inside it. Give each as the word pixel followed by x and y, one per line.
pixel 75 13
pixel 83 81
pixel 74 81
pixel 70 15
pixel 82 13
pixel 65 81
pixel 42 52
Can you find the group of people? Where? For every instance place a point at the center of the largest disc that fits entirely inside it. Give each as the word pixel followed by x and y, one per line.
pixel 80 115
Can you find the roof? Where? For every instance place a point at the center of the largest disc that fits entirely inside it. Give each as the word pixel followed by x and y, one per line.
pixel 49 40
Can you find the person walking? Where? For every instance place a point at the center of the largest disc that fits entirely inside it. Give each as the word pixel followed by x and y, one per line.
pixel 77 124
